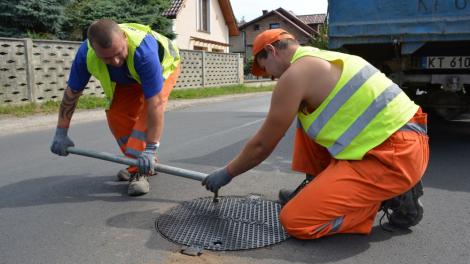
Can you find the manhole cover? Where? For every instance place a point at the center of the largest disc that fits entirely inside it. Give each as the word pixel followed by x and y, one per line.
pixel 234 223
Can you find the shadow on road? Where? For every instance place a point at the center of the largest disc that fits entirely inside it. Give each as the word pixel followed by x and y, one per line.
pixel 447 168
pixel 323 250
pixel 79 188
pixel 449 143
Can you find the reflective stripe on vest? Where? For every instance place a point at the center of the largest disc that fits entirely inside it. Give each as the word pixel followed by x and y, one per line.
pixel 363 110
pixel 135 34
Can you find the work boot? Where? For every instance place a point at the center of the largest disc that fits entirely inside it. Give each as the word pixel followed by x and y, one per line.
pixel 407 210
pixel 138 184
pixel 123 175
pixel 285 195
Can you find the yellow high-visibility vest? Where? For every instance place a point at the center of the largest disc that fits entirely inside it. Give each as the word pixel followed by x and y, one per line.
pixel 135 34
pixel 361 112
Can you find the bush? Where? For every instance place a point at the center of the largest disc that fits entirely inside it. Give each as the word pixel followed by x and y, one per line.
pixel 247 66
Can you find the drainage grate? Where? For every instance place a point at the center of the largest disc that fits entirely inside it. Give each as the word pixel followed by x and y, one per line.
pixel 234 223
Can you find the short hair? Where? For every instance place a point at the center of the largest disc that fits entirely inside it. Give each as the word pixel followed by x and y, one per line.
pixel 280 45
pixel 102 32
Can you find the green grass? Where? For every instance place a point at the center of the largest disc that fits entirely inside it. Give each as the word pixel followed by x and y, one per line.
pixel 49 107
pixel 211 92
pixel 92 102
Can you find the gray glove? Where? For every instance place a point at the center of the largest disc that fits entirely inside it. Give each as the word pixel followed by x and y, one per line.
pixel 217 179
pixel 61 141
pixel 146 160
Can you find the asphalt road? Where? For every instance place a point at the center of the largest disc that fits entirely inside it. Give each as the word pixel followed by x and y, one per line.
pixel 72 210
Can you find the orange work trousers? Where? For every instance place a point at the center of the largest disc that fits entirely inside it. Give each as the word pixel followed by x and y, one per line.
pixel 127 116
pixel 345 196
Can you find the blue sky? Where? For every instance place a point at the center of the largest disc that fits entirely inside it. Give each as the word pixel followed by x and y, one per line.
pixel 252 9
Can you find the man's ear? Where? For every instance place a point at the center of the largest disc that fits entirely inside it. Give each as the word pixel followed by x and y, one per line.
pixel 269 48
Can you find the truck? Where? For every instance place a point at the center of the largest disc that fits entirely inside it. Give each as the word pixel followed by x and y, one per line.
pixel 421 45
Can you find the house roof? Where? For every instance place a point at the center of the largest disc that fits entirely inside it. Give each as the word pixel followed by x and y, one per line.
pixel 312 19
pixel 174 8
pixel 290 18
pixel 229 17
pixel 225 6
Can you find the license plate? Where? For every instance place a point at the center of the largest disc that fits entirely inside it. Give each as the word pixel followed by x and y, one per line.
pixel 462 62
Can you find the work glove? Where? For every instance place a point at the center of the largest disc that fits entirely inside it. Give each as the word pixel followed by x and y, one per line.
pixel 217 179
pixel 147 159
pixel 61 141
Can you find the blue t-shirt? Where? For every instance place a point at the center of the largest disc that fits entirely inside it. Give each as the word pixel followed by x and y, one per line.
pixel 146 63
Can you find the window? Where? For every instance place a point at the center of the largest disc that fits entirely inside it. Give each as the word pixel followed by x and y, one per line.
pixel 200 48
pixel 273 26
pixel 256 27
pixel 203 23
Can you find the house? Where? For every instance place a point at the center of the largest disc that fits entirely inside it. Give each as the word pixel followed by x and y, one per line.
pixel 302 27
pixel 202 24
pixel 238 42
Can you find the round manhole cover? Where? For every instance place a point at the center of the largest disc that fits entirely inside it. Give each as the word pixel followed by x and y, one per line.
pixel 234 223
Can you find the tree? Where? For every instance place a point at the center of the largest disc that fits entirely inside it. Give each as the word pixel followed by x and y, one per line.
pixel 321 41
pixel 82 13
pixel 20 18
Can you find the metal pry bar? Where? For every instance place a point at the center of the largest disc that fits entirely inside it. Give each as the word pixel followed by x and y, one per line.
pixel 132 162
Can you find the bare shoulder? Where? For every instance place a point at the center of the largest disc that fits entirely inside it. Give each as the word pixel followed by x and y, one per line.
pixel 314 77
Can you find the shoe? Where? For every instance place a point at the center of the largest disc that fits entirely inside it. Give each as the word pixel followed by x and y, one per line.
pixel 123 175
pixel 285 195
pixel 138 184
pixel 407 210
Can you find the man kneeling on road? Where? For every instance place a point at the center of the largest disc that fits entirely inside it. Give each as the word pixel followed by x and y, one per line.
pixel 137 68
pixel 360 140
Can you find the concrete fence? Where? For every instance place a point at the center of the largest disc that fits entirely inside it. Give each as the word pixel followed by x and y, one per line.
pixel 38 70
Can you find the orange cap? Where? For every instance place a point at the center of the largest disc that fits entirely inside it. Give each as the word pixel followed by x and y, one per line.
pixel 265 38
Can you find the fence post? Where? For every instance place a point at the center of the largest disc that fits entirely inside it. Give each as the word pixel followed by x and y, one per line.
pixel 30 76
pixel 203 72
pixel 238 68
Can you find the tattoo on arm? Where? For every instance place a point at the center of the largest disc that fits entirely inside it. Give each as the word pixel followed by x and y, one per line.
pixel 69 103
